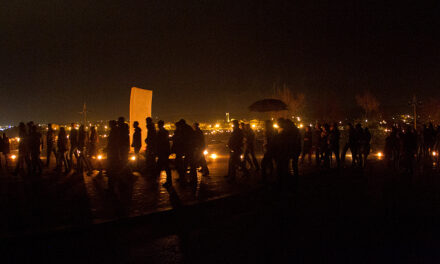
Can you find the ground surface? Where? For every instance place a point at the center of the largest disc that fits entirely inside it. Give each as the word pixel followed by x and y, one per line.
pixel 373 215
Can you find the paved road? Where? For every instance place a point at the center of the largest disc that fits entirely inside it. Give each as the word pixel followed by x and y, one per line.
pixel 56 201
pixel 355 216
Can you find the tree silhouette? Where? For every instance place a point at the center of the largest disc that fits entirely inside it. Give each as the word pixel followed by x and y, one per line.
pixel 368 102
pixel 294 101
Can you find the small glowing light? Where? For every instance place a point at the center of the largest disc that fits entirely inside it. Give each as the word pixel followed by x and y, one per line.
pixel 13 157
pixel 301 125
pixel 133 158
pixel 434 153
pixel 100 157
pixel 379 155
pixel 213 156
pixel 18 139
pixel 205 152
pixel 241 157
pixel 298 118
pixel 276 126
pixel 217 125
pixel 366 120
pixel 253 125
pixel 105 127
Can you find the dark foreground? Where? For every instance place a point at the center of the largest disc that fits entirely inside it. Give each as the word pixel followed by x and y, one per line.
pixel 354 216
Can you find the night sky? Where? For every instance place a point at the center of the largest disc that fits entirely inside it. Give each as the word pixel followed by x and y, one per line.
pixel 205 58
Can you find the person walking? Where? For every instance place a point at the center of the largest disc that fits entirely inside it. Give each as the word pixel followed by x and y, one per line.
pixel 235 145
pixel 50 144
pixel 269 150
pixel 150 153
pixel 249 153
pixel 5 149
pixel 73 139
pixel 307 145
pixel 333 143
pixel 350 144
pixel 200 146
pixel 22 149
pixel 35 150
pixel 136 141
pixel 61 151
pixel 163 153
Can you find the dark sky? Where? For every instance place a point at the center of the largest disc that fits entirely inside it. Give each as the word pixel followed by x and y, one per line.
pixel 204 58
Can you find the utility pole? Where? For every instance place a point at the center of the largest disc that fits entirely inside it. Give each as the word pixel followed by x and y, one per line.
pixel 84 113
pixel 414 103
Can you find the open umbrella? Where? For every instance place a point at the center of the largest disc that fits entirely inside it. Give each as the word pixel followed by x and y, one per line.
pixel 268 105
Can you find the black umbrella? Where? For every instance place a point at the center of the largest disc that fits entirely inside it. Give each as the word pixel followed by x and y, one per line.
pixel 268 105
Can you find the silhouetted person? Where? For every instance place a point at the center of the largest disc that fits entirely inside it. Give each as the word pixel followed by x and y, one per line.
pixel 409 148
pixel 27 141
pixel 179 149
pixel 83 160
pixel 307 144
pixel 50 144
pixel 5 148
pixel 359 145
pixel 269 149
pixel 62 150
pixel 35 143
pixel 113 161
pixel 150 153
pixel 324 147
pixel 189 161
pixel 333 140
pixel 282 152
pixel 250 141
pixel 137 138
pixel 366 146
pixel 124 141
pixel 317 143
pixel 1 151
pixel 350 144
pixel 163 152
pixel 235 145
pixel 112 146
pixel 294 148
pixel 136 143
pixel 93 142
pixel 73 139
pixel 200 145
pixel 22 148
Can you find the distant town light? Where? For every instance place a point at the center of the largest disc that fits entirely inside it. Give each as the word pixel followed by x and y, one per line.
pixel 99 157
pixel 434 153
pixel 13 157
pixel 205 152
pixel 217 125
pixel 276 126
pixel 133 158
pixel 213 156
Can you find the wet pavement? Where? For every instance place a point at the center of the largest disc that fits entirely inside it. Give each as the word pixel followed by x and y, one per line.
pixel 375 215
pixel 56 201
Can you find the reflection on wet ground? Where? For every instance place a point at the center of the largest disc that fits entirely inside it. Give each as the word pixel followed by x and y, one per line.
pixel 53 200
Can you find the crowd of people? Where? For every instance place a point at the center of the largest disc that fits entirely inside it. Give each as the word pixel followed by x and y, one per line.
pixel 187 144
pixel 404 145
pixel 284 147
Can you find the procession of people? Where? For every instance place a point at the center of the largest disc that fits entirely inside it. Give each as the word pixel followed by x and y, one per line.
pixel 285 146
